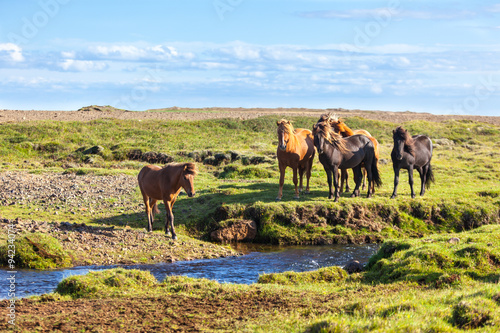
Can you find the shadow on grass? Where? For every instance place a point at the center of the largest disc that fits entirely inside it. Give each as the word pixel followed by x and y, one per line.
pixel 201 209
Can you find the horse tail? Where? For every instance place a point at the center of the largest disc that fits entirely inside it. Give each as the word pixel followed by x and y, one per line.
pixel 429 177
pixel 376 173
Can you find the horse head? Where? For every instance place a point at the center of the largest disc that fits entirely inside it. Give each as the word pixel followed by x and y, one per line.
pixel 319 136
pixel 402 141
pixel 285 129
pixel 187 179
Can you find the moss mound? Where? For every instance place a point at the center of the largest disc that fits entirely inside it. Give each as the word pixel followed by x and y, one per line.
pixel 439 259
pixel 322 275
pixel 106 283
pixel 37 251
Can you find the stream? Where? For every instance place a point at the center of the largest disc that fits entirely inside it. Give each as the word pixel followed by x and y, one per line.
pixel 243 269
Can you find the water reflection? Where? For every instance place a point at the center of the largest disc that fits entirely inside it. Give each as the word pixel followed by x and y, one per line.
pixel 244 269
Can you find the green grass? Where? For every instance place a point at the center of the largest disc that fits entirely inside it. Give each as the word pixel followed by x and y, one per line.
pixel 419 285
pixel 464 196
pixel 37 251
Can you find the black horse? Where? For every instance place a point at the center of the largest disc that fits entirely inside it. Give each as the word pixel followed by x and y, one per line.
pixel 336 152
pixel 411 152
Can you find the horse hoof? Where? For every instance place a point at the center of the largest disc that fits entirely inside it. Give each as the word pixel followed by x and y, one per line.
pixel 174 237
pixel 278 199
pixel 393 196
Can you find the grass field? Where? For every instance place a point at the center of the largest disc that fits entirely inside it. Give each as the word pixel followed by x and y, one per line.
pixel 437 271
pixel 465 194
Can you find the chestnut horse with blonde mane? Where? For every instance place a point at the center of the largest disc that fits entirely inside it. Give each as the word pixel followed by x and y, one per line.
pixel 295 150
pixel 157 183
pixel 340 127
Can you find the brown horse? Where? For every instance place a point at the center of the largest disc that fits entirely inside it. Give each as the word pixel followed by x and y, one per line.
pixel 165 183
pixel 295 150
pixel 340 127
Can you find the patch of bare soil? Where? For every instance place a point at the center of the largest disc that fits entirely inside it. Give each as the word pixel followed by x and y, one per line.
pixel 175 113
pixel 87 195
pixel 223 311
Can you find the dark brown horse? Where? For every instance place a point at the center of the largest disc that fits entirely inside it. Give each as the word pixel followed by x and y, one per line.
pixel 340 127
pixel 411 152
pixel 295 150
pixel 165 183
pixel 336 152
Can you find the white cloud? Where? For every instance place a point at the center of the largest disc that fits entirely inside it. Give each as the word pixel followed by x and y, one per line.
pixel 12 52
pixel 135 53
pixel 72 65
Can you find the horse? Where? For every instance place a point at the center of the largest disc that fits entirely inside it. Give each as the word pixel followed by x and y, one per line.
pixel 340 127
pixel 336 152
pixel 164 183
pixel 411 152
pixel 295 150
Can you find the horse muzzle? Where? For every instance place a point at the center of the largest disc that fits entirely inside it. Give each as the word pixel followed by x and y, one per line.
pixel 191 194
pixel 282 147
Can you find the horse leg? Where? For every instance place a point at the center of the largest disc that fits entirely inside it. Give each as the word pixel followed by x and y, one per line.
pixel 410 180
pixel 301 175
pixel 364 178
pixel 152 210
pixel 169 219
pixel 396 182
pixel 295 182
pixel 282 181
pixel 308 174
pixel 329 179
pixel 422 171
pixel 369 176
pixel 358 175
pixel 148 210
pixel 336 183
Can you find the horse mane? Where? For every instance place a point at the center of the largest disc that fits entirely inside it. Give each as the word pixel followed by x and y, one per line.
pixel 293 141
pixel 336 123
pixel 402 134
pixel 326 131
pixel 189 168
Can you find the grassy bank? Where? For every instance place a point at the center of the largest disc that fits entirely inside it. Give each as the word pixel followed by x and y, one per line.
pixel 238 177
pixel 433 284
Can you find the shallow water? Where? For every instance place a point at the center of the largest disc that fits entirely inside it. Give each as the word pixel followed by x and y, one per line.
pixel 243 269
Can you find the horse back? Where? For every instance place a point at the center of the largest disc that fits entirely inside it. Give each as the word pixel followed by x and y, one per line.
pixel 423 149
pixel 154 181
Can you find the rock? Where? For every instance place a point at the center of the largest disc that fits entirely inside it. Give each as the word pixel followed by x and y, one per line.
pixel 444 142
pixel 211 161
pixel 353 267
pixel 454 240
pixel 236 231
pixel 93 150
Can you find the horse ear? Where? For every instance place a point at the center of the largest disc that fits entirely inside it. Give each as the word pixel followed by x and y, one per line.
pixel 393 131
pixel 288 122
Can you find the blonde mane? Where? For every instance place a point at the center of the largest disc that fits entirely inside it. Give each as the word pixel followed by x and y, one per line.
pixel 326 131
pixel 287 128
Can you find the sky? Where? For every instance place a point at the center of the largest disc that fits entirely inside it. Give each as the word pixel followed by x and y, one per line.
pixel 441 57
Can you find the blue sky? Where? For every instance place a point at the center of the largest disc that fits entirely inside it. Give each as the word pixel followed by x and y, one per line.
pixel 426 56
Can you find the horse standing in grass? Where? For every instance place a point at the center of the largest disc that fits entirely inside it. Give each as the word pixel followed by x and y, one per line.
pixel 411 152
pixel 336 152
pixel 165 183
pixel 340 127
pixel 295 150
